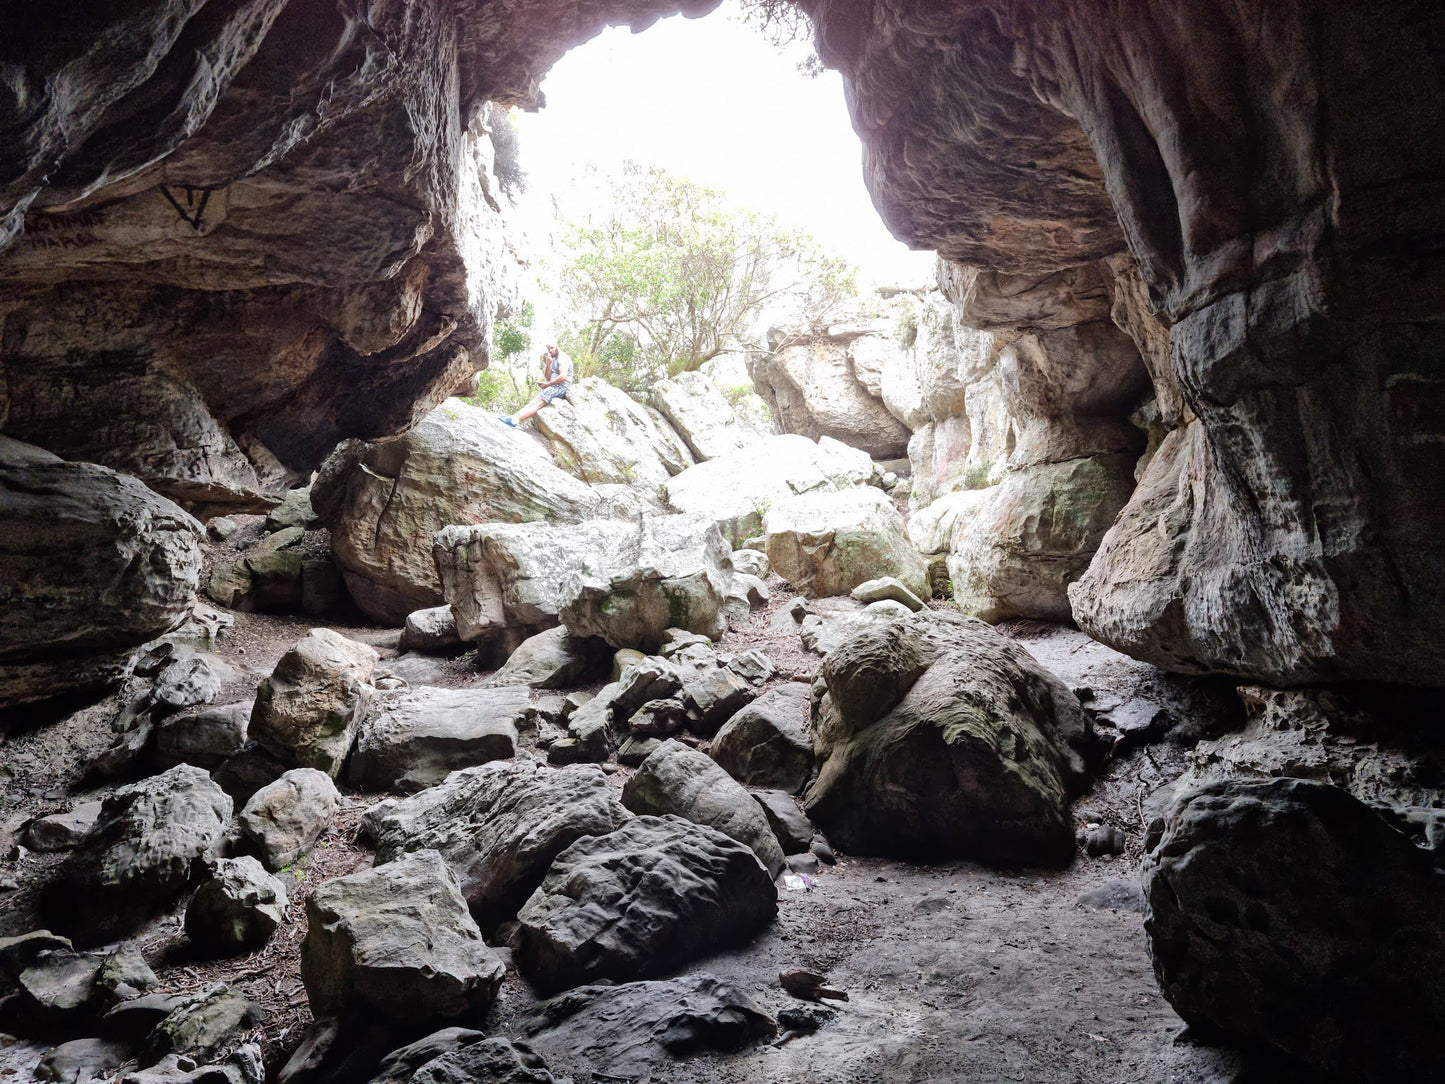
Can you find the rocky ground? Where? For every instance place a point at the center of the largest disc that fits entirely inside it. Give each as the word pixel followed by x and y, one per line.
pixel 953 970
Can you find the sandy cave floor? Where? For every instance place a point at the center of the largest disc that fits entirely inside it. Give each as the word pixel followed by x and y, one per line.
pixel 955 972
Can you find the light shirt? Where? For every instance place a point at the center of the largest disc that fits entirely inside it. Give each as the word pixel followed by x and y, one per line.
pixel 561 366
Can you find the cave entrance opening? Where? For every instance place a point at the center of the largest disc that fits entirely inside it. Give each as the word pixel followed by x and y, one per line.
pixel 685 190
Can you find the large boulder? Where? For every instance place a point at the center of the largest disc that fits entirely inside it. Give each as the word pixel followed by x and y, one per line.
pixel 736 489
pixel 680 780
pixel 152 839
pixel 700 413
pixel 616 579
pixel 668 572
pixel 767 743
pixel 236 909
pixel 383 501
pixel 552 659
pixel 641 901
pixel 939 738
pixel 284 819
pixel 397 941
pixel 1024 541
pixel 308 711
pixel 462 1056
pixel 499 826
pixel 829 543
pixel 204 736
pixel 1287 914
pixel 420 736
pixel 639 1030
pixel 92 563
pixel 817 384
pixel 602 435
pixel 501 576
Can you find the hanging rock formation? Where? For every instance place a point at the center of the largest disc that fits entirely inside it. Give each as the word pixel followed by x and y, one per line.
pixel 306 242
pixel 1290 528
pixel 818 384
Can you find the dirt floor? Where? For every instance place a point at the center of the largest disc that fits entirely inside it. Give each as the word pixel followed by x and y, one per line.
pixel 955 972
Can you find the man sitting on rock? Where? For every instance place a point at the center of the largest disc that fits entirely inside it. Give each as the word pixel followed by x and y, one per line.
pixel 555 383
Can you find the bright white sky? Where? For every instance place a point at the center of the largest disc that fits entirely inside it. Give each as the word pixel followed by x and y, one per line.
pixel 712 100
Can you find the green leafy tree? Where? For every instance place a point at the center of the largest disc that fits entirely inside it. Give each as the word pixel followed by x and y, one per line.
pixel 660 274
pixel 499 387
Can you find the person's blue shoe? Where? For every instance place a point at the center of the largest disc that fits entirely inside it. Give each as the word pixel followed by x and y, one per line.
pixel 507 421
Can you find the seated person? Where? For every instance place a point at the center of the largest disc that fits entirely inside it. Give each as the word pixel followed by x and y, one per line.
pixel 556 380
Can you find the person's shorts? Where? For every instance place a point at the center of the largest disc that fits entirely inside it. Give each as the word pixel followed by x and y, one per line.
pixel 556 391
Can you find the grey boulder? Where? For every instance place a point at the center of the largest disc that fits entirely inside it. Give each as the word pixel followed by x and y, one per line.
pixel 499 826
pixel 236 909
pixel 204 736
pixel 793 829
pixel 639 1030
pixel 61 831
pixel 680 780
pixel 420 736
pixel 284 819
pixel 641 901
pixel 938 737
pixel 308 711
pixel 431 631
pixel 667 572
pixel 552 659
pixel 458 1056
pixel 151 839
pixel 1288 914
pixel 713 698
pixel 767 743
pixel 397 941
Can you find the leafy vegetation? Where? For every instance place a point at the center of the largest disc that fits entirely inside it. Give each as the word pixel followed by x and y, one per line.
pixel 501 387
pixel 659 274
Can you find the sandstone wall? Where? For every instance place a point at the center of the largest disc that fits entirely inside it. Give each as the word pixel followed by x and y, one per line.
pixel 1275 172
pixel 233 234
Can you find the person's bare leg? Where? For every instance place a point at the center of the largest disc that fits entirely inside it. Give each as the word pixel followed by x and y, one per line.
pixel 528 410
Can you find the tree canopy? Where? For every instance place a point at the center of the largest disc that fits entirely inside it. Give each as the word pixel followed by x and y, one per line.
pixel 657 274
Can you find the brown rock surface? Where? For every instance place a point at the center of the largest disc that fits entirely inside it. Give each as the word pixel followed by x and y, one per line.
pixel 1292 260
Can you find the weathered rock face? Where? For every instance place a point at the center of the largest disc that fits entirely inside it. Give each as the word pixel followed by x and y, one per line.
pixel 1293 531
pixel 302 246
pixel 499 826
pixel 397 941
pixel 641 901
pixel 1288 914
pixel 698 411
pixel 384 501
pixel 308 711
pixel 937 736
pixel 602 435
pixel 150 841
pixel 818 385
pixel 737 489
pixel 829 543
pixel 92 563
pixel 1020 545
